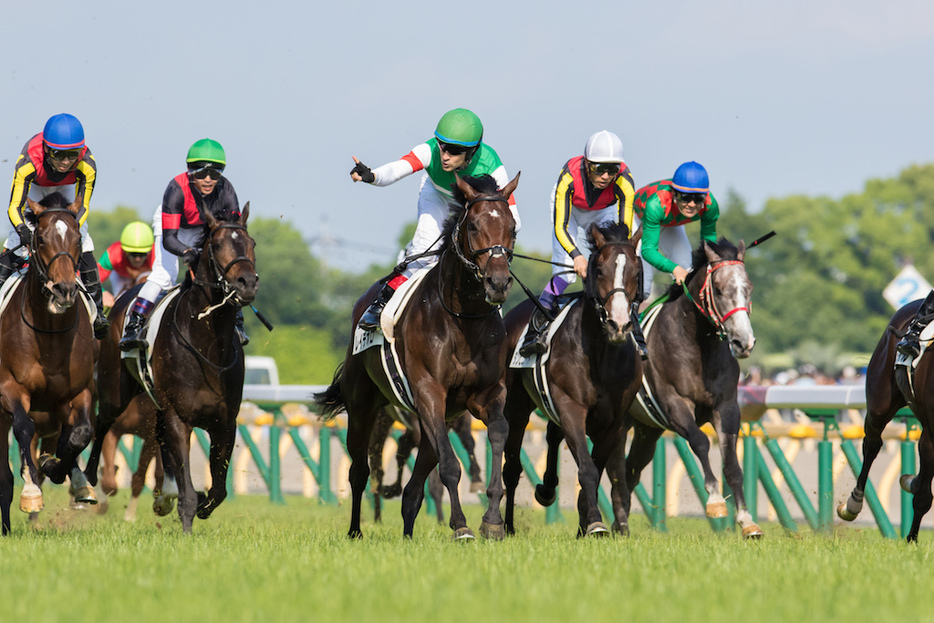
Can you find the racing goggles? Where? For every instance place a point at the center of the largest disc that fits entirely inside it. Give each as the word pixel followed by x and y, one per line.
pixel 697 198
pixel 210 170
pixel 453 149
pixel 64 154
pixel 600 168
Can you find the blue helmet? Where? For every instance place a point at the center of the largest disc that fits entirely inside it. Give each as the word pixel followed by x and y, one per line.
pixel 691 177
pixel 63 131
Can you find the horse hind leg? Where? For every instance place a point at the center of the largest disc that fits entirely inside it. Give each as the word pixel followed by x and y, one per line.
pixel 222 443
pixel 920 486
pixel 872 444
pixel 546 493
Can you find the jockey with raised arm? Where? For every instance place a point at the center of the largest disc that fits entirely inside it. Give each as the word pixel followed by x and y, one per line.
pixel 662 209
pixel 594 188
pixel 55 160
pixel 456 147
pixel 180 231
pixel 128 258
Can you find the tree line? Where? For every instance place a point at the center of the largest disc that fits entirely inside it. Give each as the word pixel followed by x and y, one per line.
pixel 817 285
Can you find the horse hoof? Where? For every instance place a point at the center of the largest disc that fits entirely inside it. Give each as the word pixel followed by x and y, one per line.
pixel 30 500
pixel 716 510
pixel 477 487
pixel 493 532
pixel 906 481
pixel 163 505
pixel 597 528
pixel 463 534
pixel 48 465
pixel 621 529
pixel 844 513
pixel 752 532
pixel 85 495
pixel 545 495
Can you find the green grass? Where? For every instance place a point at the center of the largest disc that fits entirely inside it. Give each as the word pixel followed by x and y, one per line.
pixel 254 561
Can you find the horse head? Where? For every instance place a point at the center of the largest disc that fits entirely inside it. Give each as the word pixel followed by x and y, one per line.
pixel 485 234
pixel 231 262
pixel 56 249
pixel 725 296
pixel 613 278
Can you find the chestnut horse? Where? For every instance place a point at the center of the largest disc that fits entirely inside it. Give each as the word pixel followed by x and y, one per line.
pixel 888 389
pixel 592 373
pixel 451 345
pixel 47 356
pixel 197 365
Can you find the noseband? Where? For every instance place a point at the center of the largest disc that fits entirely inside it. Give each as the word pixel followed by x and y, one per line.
pixel 494 251
pixel 708 303
pixel 42 268
pixel 220 273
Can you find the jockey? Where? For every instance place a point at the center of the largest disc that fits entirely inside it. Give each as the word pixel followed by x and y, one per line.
pixel 456 147
pixel 56 160
pixel 125 260
pixel 180 231
pixel 595 188
pixel 910 344
pixel 662 209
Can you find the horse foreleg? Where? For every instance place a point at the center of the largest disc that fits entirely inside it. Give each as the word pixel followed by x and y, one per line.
pixel 108 479
pixel 684 424
pixel 872 444
pixel 727 422
pixel 546 493
pixel 72 441
pixel 408 441
pixel 178 442
pixel 24 429
pixel 609 452
pixel 6 478
pixel 222 444
pixel 166 493
pixel 414 493
pixel 492 526
pixel 102 426
pixel 573 420
pixel 921 484
pixel 518 409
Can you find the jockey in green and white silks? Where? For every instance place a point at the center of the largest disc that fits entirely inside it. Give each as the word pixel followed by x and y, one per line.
pixel 455 148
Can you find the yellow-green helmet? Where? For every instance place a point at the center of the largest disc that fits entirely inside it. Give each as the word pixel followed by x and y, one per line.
pixel 137 238
pixel 207 150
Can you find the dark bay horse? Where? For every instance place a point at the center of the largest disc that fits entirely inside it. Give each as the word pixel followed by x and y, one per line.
pixel 197 364
pixel 694 338
pixel 47 352
pixel 888 389
pixel 592 371
pixel 451 344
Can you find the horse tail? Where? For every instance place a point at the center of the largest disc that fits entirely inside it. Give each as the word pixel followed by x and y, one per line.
pixel 331 401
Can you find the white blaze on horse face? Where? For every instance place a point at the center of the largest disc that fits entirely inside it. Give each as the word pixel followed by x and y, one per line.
pixel 619 300
pixel 62 229
pixel 739 325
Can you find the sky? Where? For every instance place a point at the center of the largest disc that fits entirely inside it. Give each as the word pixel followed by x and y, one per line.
pixel 809 97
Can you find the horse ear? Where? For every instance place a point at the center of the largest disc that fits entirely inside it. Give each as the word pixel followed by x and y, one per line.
pixel 712 255
pixel 636 237
pixel 511 186
pixel 209 219
pixel 244 214
pixel 36 207
pixel 76 206
pixel 469 193
pixel 741 250
pixel 599 240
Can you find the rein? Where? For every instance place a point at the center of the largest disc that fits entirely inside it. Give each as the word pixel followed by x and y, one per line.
pixel 708 305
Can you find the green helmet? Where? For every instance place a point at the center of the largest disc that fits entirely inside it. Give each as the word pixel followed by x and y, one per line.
pixel 207 150
pixel 136 238
pixel 460 127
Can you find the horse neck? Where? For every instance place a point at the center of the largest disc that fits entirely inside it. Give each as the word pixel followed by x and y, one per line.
pixel 196 299
pixel 456 283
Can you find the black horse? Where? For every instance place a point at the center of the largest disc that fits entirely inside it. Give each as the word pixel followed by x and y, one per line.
pixel 888 389
pixel 197 365
pixel 592 374
pixel 451 346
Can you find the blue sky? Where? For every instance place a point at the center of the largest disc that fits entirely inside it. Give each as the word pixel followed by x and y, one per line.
pixel 775 99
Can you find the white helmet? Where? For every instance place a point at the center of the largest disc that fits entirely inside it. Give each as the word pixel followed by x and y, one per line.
pixel 604 146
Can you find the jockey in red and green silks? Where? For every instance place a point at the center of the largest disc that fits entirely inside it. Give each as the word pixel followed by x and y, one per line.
pixel 456 147
pixel 662 209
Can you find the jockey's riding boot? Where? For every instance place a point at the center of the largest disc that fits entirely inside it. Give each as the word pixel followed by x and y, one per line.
pixel 534 343
pixel 134 326
pixel 910 344
pixel 238 326
pixel 87 265
pixel 637 337
pixel 369 321
pixel 6 266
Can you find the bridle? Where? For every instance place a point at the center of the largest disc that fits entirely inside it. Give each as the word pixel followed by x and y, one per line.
pixel 708 304
pixel 220 281
pixel 494 251
pixel 42 268
pixel 598 303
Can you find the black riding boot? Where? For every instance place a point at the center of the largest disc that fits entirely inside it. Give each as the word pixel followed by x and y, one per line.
pixel 92 282
pixel 910 344
pixel 241 332
pixel 637 337
pixel 370 318
pixel 131 335
pixel 534 343
pixel 6 266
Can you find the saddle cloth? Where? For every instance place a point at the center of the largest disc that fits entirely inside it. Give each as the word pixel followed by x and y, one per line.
pixel 645 407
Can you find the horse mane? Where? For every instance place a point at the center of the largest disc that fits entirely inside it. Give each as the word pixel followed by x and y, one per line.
pixel 53 200
pixel 483 184
pixel 723 247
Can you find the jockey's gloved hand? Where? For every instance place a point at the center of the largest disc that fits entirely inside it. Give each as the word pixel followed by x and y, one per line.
pixel 191 256
pixel 364 172
pixel 25 234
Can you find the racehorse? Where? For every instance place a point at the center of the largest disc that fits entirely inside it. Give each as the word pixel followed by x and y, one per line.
pixel 451 346
pixel 406 443
pixel 592 374
pixel 47 354
pixel 888 389
pixel 694 338
pixel 197 366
